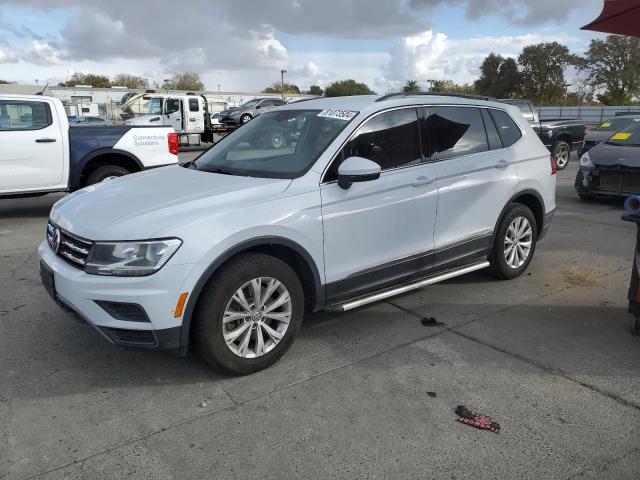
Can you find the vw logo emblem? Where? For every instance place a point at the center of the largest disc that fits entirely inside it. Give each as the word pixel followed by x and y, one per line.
pixel 54 243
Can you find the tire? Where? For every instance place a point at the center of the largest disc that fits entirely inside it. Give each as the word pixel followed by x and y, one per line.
pixel 503 265
pixel 219 297
pixel 245 118
pixel 103 173
pixel 562 152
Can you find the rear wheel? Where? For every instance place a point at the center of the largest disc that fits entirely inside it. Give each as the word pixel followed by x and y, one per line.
pixel 562 152
pixel 249 314
pixel 514 243
pixel 106 172
pixel 245 118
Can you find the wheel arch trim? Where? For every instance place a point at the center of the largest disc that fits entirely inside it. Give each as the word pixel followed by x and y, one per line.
pixel 220 260
pixel 512 200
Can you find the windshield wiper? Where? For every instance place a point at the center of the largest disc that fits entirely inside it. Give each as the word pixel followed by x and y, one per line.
pixel 222 171
pixel 191 164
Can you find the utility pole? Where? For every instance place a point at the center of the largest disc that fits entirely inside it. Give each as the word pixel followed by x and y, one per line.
pixel 282 72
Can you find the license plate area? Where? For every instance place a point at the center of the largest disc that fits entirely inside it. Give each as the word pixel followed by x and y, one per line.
pixel 47 279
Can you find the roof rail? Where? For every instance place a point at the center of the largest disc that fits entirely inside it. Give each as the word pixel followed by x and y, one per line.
pixel 437 94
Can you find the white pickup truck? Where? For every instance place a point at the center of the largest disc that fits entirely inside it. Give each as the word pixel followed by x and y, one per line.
pixel 41 154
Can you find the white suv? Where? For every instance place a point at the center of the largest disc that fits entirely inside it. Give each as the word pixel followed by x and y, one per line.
pixel 324 204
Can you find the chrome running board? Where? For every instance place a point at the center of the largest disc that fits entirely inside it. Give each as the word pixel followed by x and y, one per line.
pixel 375 297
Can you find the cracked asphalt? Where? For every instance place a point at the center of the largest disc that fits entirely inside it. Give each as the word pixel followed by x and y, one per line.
pixel 366 394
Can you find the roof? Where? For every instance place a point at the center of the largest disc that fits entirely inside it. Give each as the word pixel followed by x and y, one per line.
pixel 15 89
pixel 368 104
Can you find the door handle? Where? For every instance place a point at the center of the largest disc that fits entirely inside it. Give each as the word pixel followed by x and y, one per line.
pixel 422 181
pixel 502 164
pixel 45 140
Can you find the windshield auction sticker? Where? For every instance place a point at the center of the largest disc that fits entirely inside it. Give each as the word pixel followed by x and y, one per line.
pixel 338 114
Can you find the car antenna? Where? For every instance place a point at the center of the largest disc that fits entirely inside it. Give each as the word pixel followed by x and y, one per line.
pixel 42 91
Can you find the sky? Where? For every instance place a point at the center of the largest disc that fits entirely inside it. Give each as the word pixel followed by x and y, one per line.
pixel 241 45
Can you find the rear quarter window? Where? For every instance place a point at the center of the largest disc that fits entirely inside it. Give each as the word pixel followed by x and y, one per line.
pixel 507 128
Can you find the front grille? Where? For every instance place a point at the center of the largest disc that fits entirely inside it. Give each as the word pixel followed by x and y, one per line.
pixel 620 180
pixel 74 250
pixel 134 338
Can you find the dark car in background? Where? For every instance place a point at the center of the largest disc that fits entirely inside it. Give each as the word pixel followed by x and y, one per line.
pixel 559 136
pixel 236 116
pixel 612 167
pixel 603 131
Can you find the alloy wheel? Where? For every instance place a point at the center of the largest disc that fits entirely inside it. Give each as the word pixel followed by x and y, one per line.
pixel 518 242
pixel 256 317
pixel 562 156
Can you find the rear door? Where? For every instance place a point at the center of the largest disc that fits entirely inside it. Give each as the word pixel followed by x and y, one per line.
pixel 32 146
pixel 476 179
pixel 195 115
pixel 379 232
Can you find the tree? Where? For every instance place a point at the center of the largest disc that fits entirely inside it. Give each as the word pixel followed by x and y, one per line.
pixel 316 90
pixel 4 82
pixel 79 78
pixel 449 86
pixel 185 81
pixel 499 77
pixel 276 87
pixel 411 86
pixel 542 71
pixel 614 65
pixel 343 88
pixel 130 81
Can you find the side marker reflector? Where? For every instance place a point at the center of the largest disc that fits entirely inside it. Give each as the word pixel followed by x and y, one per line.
pixel 182 299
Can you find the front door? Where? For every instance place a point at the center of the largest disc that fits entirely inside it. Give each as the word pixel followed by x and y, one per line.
pixel 32 152
pixel 379 232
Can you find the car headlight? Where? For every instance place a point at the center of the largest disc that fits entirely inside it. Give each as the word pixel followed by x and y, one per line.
pixel 130 259
pixel 585 161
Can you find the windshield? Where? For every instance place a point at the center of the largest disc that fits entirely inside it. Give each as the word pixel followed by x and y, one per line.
pixel 278 144
pixel 614 124
pixel 628 137
pixel 251 103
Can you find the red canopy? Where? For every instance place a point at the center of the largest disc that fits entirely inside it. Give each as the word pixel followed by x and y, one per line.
pixel 621 17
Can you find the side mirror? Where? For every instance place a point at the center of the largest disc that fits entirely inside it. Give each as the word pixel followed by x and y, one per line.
pixel 357 169
pixel 155 119
pixel 258 106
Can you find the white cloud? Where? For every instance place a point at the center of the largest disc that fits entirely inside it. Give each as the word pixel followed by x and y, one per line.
pixel 434 56
pixel 8 56
pixel 41 53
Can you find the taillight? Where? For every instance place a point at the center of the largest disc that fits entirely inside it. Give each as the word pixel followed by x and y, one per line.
pixel 172 143
pixel 554 165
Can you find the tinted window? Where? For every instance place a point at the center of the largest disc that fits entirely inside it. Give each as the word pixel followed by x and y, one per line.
pixel 507 128
pixel 279 103
pixel 266 103
pixel 492 132
pixel 390 139
pixel 17 115
pixel 194 105
pixel 172 105
pixel 457 130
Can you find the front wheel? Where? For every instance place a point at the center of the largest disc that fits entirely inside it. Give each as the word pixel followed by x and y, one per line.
pixel 245 118
pixel 514 243
pixel 248 314
pixel 562 152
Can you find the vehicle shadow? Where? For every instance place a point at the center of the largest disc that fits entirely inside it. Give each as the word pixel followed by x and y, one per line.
pixel 32 207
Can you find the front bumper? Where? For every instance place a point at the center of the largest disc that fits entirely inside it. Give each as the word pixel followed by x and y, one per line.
pixel 154 298
pixel 614 181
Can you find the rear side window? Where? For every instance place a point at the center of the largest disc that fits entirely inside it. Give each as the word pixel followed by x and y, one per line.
pixel 390 139
pixel 492 132
pixel 507 128
pixel 18 115
pixel 457 131
pixel 194 105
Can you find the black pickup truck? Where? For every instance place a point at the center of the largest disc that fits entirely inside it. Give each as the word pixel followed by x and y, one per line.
pixel 559 136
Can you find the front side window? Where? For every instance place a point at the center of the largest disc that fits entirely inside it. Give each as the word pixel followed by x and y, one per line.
pixel 276 144
pixel 172 105
pixel 507 128
pixel 391 139
pixel 457 131
pixel 20 115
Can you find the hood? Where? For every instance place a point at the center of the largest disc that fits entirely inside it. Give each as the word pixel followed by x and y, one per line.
pixel 606 155
pixel 598 135
pixel 229 110
pixel 144 120
pixel 149 204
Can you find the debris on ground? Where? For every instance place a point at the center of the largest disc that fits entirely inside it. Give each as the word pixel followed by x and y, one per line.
pixel 432 394
pixel 476 420
pixel 430 322
pixel 580 277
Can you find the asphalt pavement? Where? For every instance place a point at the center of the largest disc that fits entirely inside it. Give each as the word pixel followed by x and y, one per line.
pixel 366 394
